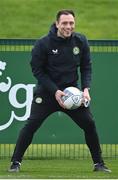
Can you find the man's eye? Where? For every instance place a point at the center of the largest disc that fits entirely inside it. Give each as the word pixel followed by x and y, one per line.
pixel 65 23
pixel 71 23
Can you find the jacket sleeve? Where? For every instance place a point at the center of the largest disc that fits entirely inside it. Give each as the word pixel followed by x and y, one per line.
pixel 38 65
pixel 85 65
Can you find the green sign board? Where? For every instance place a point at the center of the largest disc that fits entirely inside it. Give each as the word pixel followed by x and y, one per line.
pixel 16 93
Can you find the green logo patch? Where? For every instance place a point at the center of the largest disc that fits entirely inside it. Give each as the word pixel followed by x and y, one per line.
pixel 38 100
pixel 76 50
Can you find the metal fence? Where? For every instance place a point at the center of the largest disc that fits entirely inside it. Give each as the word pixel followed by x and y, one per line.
pixel 26 45
pixel 59 151
pixel 41 151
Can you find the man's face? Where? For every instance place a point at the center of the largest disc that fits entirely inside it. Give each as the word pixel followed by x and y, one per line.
pixel 65 25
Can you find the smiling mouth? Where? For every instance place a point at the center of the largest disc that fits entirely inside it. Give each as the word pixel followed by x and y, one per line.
pixel 67 32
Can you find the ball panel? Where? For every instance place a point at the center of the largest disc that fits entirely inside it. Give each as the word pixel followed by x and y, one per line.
pixel 73 98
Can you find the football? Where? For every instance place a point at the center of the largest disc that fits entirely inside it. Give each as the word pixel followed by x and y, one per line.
pixel 73 98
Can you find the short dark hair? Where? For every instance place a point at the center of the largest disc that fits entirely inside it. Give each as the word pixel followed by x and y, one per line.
pixel 64 11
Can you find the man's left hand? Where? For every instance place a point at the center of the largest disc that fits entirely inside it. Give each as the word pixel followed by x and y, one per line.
pixel 86 94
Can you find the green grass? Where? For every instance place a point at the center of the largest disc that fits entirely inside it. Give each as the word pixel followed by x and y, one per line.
pixel 58 169
pixel 97 19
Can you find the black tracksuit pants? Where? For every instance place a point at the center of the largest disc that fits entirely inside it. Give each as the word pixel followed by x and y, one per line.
pixel 43 105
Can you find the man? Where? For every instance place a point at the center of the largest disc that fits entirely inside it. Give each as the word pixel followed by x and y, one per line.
pixel 55 61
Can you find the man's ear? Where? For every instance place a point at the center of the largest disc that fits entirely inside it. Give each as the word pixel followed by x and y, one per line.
pixel 56 23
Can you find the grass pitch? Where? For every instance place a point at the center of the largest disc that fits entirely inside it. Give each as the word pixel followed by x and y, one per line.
pixel 58 169
pixel 97 19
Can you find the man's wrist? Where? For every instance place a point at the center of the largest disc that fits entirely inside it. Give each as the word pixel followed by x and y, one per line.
pixel 87 88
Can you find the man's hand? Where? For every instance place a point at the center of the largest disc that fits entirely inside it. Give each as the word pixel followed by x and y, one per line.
pixel 86 94
pixel 58 96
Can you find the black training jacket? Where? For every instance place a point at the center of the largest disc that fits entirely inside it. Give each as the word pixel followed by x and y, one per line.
pixel 55 61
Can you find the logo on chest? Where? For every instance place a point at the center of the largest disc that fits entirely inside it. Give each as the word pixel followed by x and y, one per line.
pixel 76 50
pixel 55 51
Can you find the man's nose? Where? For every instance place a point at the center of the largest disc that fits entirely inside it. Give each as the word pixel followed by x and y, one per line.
pixel 68 26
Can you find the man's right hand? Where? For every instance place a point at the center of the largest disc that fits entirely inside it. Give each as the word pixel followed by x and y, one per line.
pixel 58 96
